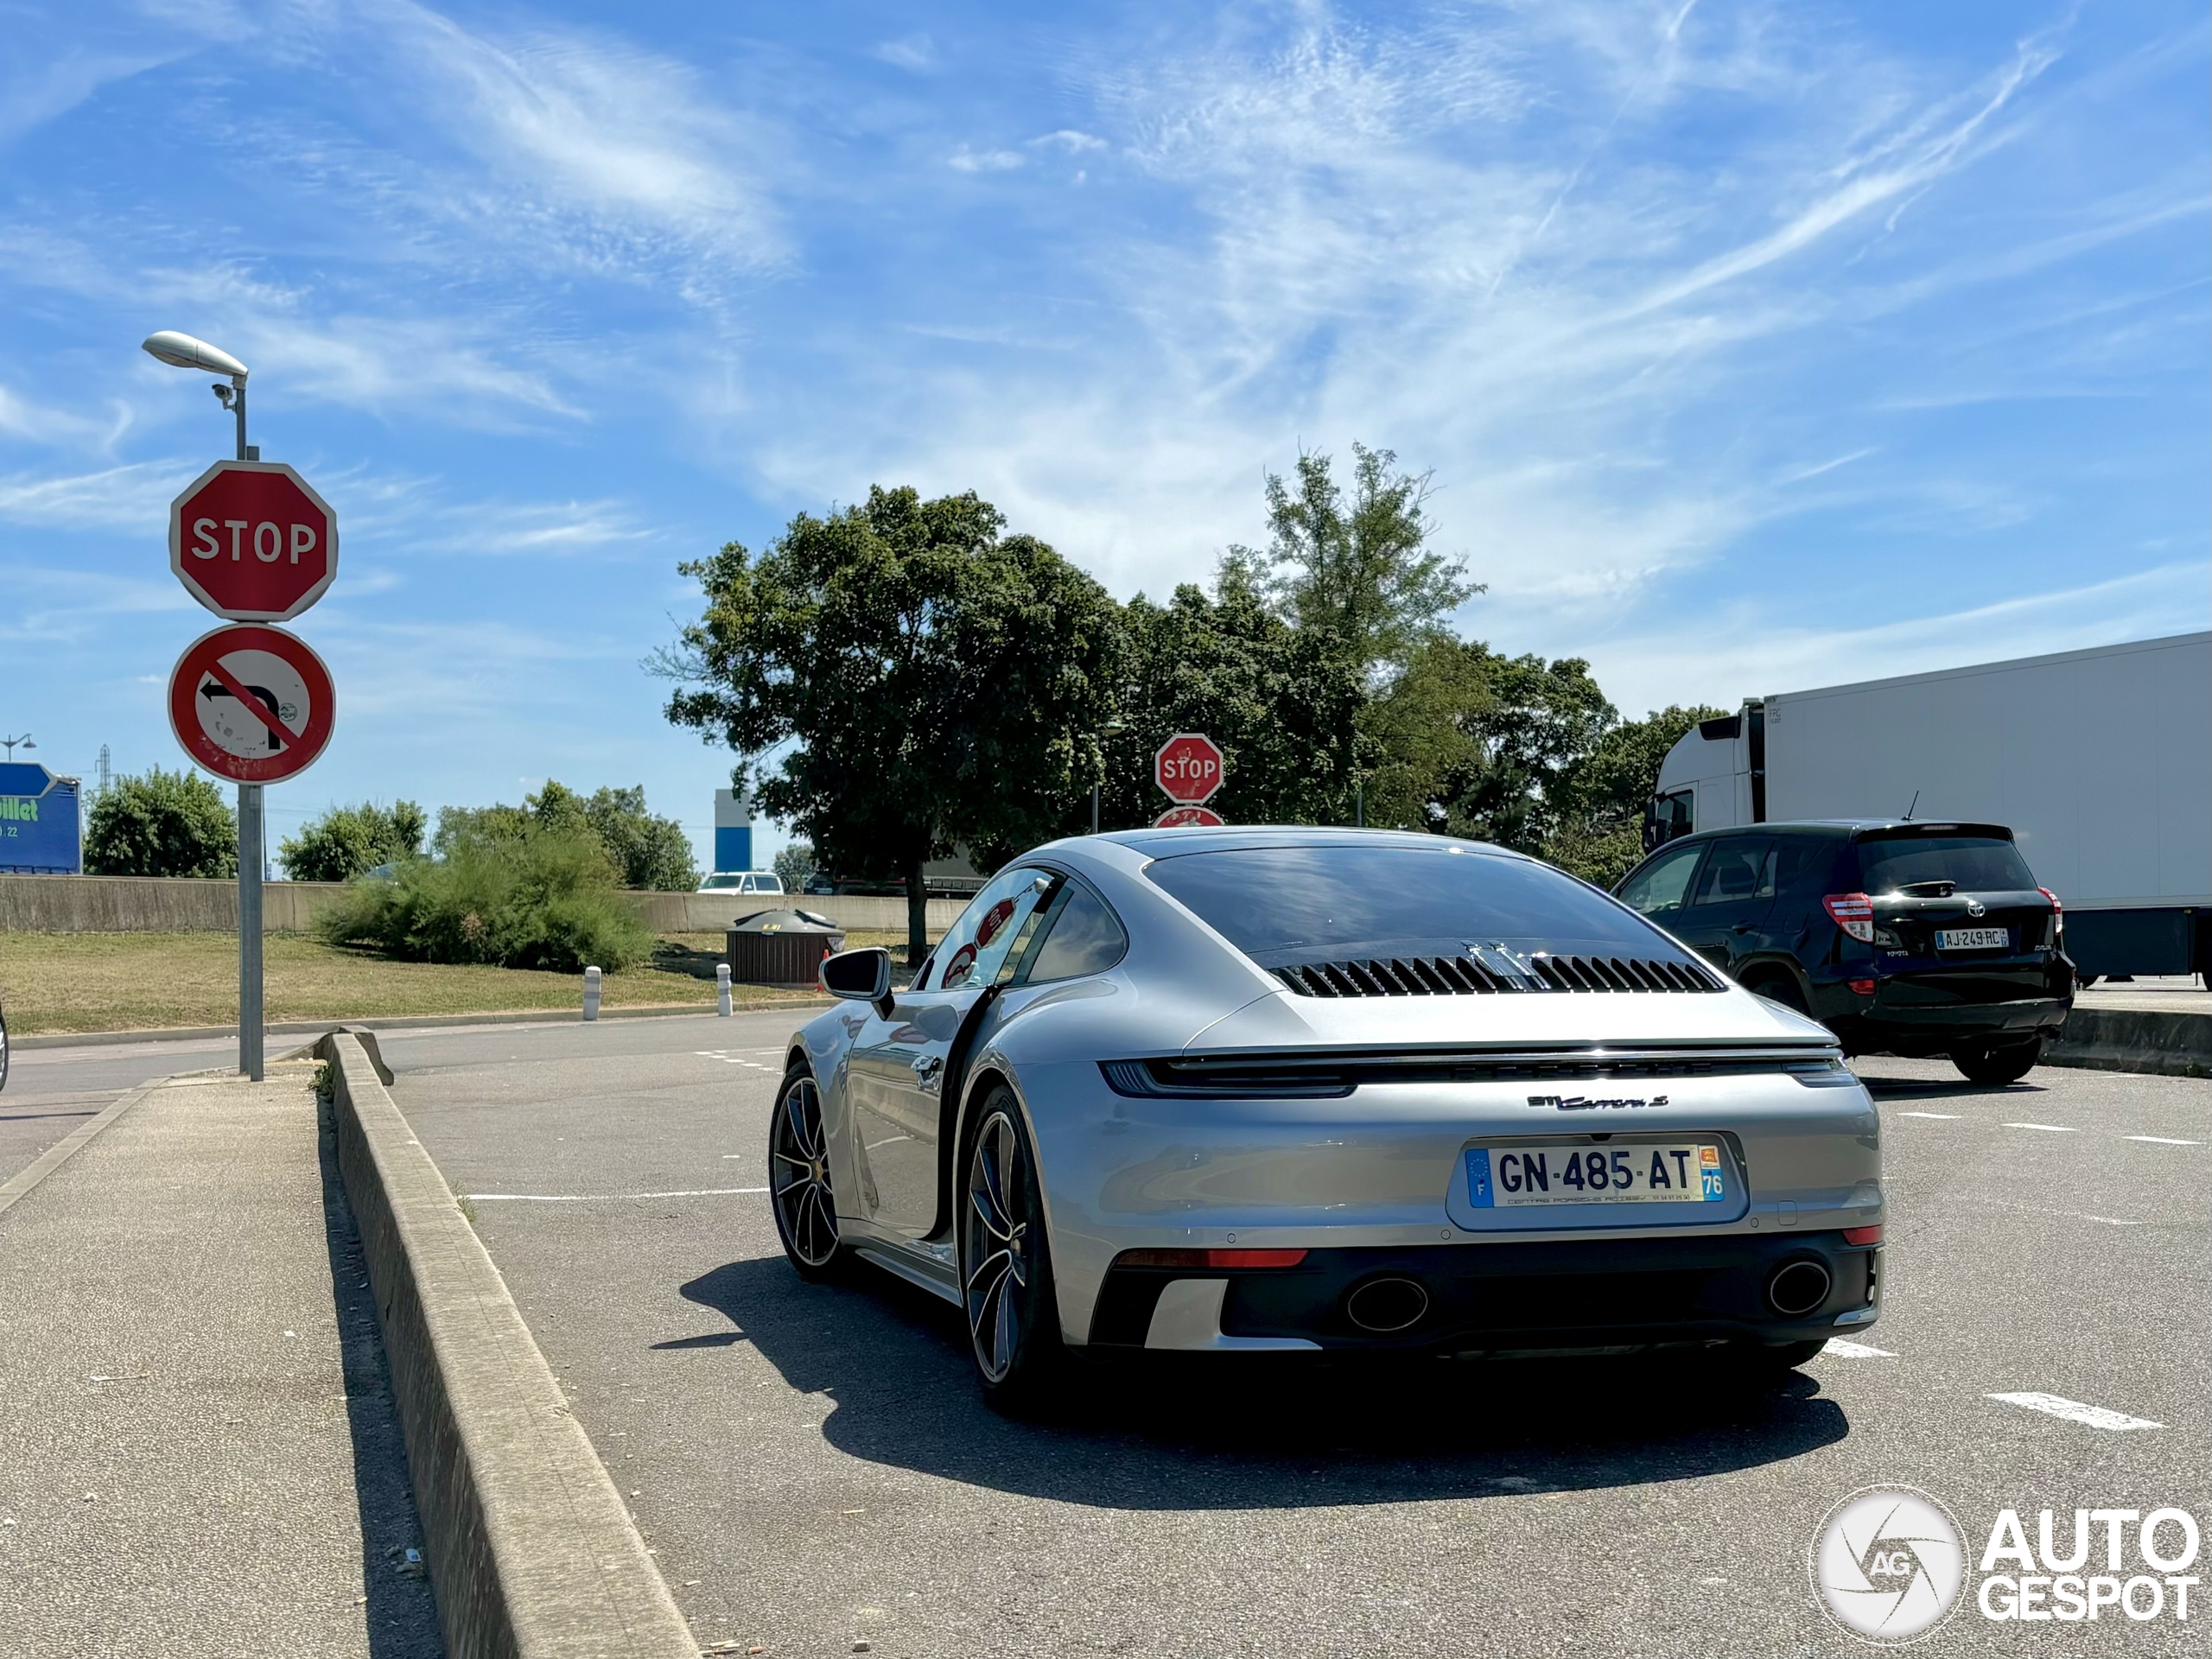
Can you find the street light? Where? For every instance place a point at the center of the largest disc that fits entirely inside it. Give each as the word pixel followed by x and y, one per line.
pixel 14 743
pixel 183 352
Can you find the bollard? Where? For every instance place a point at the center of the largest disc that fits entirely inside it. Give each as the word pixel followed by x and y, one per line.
pixel 591 993
pixel 721 989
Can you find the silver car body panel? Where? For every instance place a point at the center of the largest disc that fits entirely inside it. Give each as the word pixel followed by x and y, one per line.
pixel 1381 1166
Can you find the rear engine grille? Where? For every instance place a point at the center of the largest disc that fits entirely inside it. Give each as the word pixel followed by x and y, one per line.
pixel 1465 977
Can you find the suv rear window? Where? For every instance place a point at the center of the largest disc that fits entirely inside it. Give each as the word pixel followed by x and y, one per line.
pixel 1976 863
pixel 1280 905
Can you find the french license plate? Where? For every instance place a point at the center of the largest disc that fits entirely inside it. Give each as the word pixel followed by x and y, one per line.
pixel 1973 938
pixel 1506 1178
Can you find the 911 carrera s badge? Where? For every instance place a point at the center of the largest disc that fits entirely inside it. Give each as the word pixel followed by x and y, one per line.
pixel 1586 1103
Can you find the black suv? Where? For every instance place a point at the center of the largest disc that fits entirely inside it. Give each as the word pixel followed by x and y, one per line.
pixel 1900 938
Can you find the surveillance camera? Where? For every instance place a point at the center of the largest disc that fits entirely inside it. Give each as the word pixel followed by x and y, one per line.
pixel 222 395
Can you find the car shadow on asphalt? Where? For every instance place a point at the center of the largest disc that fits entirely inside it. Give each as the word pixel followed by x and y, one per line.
pixel 1248 1431
pixel 1944 1088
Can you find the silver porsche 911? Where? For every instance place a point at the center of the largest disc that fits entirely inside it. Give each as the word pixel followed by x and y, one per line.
pixel 1244 1091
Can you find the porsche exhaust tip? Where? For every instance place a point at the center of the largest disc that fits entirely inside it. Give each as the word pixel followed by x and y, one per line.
pixel 1386 1306
pixel 1795 1288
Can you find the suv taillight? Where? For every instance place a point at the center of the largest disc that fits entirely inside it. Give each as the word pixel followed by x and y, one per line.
pixel 2057 919
pixel 1853 912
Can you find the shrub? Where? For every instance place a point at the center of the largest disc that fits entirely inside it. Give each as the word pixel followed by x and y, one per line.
pixel 162 823
pixel 543 899
pixel 348 840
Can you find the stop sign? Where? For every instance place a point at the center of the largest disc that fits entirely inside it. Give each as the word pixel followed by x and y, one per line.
pixel 252 541
pixel 1188 767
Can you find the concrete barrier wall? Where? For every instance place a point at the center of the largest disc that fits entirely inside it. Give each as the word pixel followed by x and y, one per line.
pixel 137 904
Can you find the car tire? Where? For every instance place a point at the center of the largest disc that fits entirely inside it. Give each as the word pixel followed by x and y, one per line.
pixel 1779 988
pixel 1772 1359
pixel 2000 1063
pixel 800 1195
pixel 1006 1264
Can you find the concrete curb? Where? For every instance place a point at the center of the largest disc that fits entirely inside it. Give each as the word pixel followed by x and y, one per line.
pixel 387 1022
pixel 2135 1039
pixel 531 1552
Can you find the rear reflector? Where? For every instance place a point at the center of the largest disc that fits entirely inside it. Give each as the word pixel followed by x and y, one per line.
pixel 1862 988
pixel 1853 912
pixel 1209 1258
pixel 1862 1235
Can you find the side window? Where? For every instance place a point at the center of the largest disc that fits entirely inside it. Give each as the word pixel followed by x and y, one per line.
pixel 1660 887
pixel 1082 935
pixel 979 943
pixel 1731 871
pixel 1786 859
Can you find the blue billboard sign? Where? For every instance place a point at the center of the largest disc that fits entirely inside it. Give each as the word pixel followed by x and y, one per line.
pixel 39 834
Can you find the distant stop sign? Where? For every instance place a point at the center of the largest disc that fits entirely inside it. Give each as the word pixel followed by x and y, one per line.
pixel 252 541
pixel 1188 767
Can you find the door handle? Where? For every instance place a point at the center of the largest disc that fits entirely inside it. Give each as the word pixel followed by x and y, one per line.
pixel 1741 927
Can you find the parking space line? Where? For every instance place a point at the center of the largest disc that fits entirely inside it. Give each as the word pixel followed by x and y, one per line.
pixel 1841 1350
pixel 607 1198
pixel 2161 1141
pixel 1948 1117
pixel 2074 1412
pixel 2048 1128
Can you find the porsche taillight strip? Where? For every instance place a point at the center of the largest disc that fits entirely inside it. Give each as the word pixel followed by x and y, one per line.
pixel 1332 1076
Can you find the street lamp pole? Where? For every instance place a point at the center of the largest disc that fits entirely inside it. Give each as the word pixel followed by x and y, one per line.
pixel 1111 728
pixel 183 352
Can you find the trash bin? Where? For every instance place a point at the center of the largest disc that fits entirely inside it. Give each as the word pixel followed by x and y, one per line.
pixel 781 947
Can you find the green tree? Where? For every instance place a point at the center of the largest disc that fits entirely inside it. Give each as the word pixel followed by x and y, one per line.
pixel 651 853
pixel 1599 832
pixel 795 864
pixel 1360 569
pixel 161 824
pixel 942 681
pixel 1282 702
pixel 348 840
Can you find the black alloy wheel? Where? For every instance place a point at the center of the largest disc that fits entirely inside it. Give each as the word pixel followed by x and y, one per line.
pixel 2000 1063
pixel 798 1178
pixel 1005 1272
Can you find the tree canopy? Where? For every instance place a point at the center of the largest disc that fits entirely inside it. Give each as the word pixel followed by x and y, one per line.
pixel 161 824
pixel 936 681
pixel 347 840
pixel 644 851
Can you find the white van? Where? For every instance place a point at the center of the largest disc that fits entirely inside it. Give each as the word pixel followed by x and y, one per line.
pixel 742 881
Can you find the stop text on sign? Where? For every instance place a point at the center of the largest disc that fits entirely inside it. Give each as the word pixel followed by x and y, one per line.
pixel 269 539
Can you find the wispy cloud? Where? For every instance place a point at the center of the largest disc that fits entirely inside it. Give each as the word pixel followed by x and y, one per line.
pixel 964 159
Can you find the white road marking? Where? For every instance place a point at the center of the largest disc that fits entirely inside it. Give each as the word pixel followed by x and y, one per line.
pixel 1949 1117
pixel 2048 1128
pixel 2074 1412
pixel 2162 1141
pixel 2066 1215
pixel 607 1198
pixel 1843 1350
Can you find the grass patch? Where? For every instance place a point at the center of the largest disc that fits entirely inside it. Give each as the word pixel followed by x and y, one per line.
pixel 138 981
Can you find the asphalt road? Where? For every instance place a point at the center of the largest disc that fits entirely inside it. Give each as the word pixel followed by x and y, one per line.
pixel 814 1469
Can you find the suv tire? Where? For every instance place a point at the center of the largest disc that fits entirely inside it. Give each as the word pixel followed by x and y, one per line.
pixel 1998 1063
pixel 1780 988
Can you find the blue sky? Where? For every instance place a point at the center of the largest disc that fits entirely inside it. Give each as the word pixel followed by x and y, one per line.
pixel 1753 347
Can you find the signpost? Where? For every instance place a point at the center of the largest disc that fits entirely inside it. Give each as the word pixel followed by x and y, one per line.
pixel 1188 768
pixel 252 541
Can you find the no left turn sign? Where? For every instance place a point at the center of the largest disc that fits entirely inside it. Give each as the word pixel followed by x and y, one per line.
pixel 252 704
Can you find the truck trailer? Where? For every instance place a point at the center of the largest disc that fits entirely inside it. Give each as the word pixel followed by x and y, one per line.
pixel 2100 760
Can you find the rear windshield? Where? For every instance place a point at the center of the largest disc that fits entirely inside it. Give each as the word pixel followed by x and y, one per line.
pixel 1976 863
pixel 1285 904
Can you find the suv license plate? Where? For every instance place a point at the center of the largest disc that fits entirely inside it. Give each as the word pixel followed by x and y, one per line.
pixel 1504 1178
pixel 1973 938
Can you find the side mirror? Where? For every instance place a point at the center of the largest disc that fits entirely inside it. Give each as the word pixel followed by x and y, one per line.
pixel 859 977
